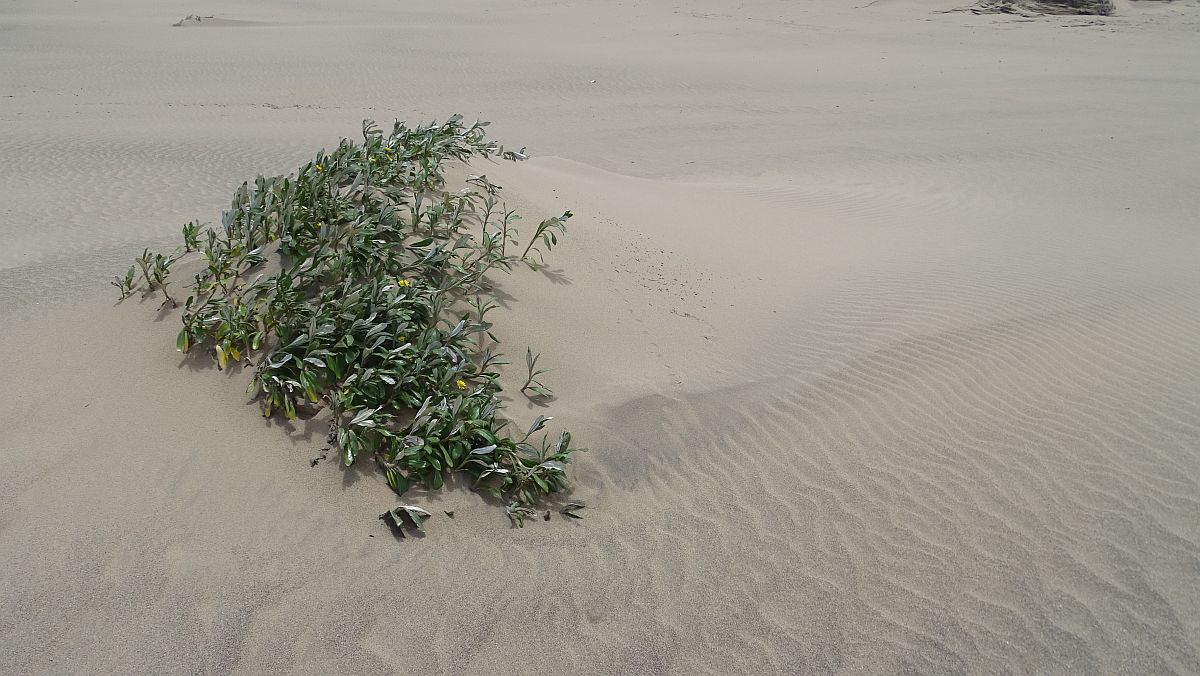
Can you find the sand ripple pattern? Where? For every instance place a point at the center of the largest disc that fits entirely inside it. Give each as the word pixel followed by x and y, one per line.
pixel 957 473
pixel 972 446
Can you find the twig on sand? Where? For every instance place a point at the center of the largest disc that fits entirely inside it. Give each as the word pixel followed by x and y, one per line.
pixel 192 17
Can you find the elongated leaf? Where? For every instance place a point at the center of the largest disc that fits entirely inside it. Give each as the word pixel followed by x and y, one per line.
pixel 413 514
pixel 538 424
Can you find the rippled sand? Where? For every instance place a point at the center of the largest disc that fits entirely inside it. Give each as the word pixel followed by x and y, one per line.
pixel 880 323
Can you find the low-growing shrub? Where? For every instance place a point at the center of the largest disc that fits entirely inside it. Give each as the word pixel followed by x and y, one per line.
pixel 360 284
pixel 1038 7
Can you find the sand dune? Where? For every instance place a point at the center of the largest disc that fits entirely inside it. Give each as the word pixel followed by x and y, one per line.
pixel 880 323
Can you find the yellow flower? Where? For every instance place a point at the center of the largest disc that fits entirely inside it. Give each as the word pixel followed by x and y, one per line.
pixel 317 167
pixel 401 338
pixel 403 283
pixel 460 384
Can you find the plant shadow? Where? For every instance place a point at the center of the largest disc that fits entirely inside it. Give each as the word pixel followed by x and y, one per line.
pixel 361 469
pixel 418 493
pixel 164 307
pixel 503 298
pixel 558 276
pixel 538 400
pixel 199 360
pixel 301 430
pixel 548 506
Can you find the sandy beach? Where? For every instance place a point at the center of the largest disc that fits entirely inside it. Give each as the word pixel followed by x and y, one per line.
pixel 880 321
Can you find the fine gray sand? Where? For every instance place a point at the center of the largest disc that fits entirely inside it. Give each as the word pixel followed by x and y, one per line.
pixel 881 322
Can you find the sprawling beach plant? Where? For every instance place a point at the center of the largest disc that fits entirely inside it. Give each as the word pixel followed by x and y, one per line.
pixel 1038 7
pixel 360 285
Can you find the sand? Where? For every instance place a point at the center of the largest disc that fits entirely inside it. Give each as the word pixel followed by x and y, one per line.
pixel 880 322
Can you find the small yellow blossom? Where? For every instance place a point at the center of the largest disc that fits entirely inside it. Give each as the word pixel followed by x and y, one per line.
pixel 460 384
pixel 403 283
pixel 317 167
pixel 401 338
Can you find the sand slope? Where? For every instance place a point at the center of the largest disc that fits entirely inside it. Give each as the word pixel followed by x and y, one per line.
pixel 880 323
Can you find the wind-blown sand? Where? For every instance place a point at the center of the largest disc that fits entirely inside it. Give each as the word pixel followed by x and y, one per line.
pixel 881 324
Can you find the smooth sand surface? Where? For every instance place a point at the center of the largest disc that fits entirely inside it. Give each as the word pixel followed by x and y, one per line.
pixel 882 325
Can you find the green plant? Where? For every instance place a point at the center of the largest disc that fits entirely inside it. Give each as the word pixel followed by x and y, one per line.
pixel 517 513
pixel 546 236
pixel 407 516
pixel 156 268
pixel 126 284
pixel 532 384
pixel 376 313
pixel 191 236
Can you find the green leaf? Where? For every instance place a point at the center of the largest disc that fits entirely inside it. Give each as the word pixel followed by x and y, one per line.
pixel 414 514
pixel 396 481
pixel 538 424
